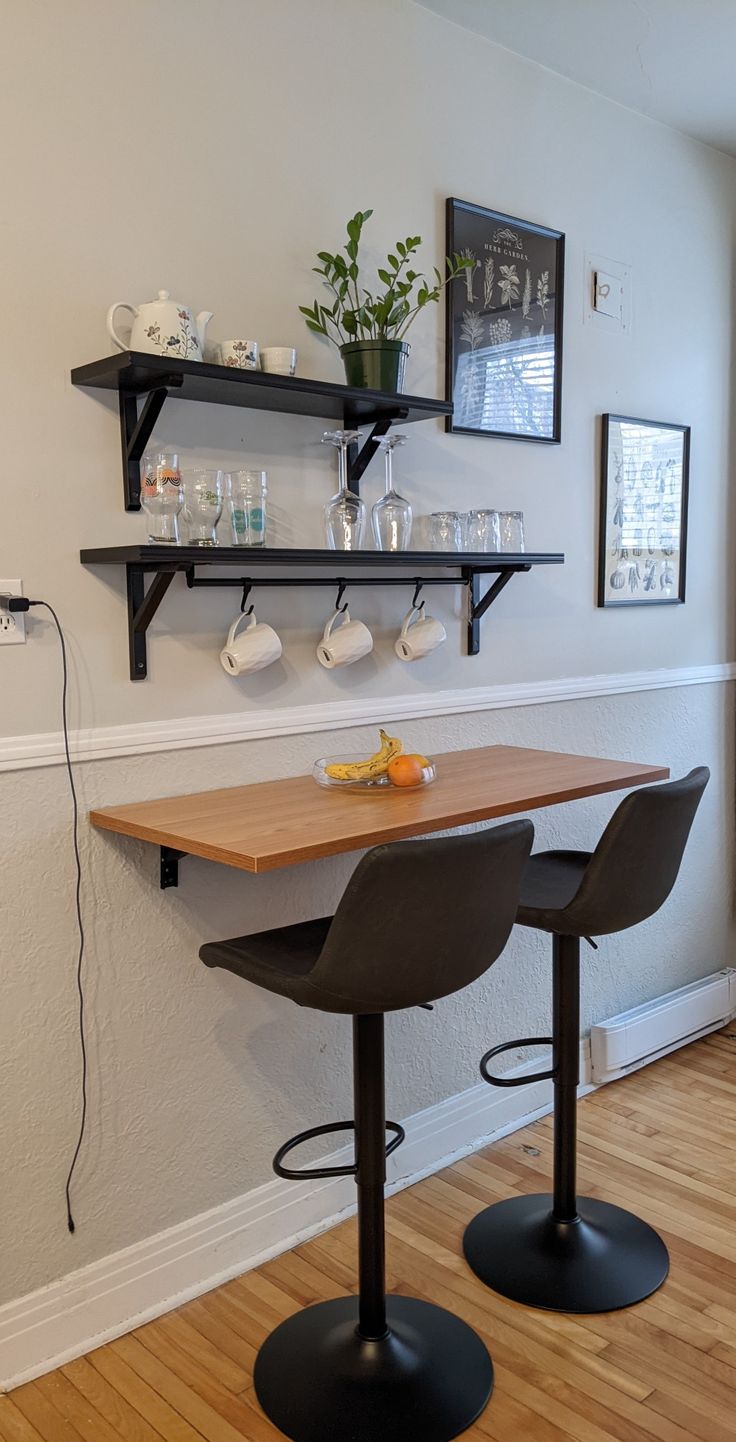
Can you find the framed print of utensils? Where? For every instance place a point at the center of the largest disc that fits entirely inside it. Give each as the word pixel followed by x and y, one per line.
pixel 504 326
pixel 645 468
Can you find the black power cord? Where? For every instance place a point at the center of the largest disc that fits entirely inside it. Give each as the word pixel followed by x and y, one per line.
pixel 20 604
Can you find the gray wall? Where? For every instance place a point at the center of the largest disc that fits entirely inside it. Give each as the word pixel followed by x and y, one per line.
pixel 212 149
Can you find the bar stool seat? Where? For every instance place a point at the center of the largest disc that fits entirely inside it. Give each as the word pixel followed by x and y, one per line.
pixel 551 881
pixel 417 921
pixel 279 960
pixel 560 1251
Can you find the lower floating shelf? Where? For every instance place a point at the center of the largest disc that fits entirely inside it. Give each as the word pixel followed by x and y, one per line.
pixel 164 562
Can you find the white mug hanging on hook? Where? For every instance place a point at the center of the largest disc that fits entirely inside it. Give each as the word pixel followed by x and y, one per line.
pixel 343 641
pixel 250 649
pixel 419 635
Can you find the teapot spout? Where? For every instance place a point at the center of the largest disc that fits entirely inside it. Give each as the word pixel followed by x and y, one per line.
pixel 201 322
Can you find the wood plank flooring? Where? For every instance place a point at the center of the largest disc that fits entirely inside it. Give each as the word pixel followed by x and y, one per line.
pixel 662 1142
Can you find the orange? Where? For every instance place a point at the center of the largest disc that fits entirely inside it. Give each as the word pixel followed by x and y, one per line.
pixel 406 770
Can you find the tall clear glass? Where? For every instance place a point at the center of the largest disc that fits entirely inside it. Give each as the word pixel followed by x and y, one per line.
pixel 391 517
pixel 511 529
pixel 161 496
pixel 345 513
pixel 203 499
pixel 245 507
pixel 482 531
pixel 446 530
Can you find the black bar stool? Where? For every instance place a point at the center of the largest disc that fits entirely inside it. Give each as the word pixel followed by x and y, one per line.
pixel 561 1252
pixel 418 920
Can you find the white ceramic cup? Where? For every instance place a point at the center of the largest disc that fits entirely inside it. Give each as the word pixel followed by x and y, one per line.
pixel 241 354
pixel 249 650
pixel 280 360
pixel 342 644
pixel 419 635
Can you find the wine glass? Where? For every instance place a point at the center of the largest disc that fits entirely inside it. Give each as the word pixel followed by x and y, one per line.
pixel 345 513
pixel 391 517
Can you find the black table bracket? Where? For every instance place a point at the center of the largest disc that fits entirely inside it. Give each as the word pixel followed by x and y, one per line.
pixel 170 859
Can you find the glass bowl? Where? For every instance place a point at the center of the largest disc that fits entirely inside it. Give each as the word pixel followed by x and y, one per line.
pixel 373 784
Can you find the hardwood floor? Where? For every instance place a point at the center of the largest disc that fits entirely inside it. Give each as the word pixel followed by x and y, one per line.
pixel 662 1142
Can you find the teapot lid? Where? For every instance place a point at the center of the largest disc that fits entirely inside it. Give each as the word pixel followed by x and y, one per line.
pixel 163 295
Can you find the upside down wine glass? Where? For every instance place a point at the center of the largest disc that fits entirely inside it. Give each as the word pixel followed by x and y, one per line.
pixel 345 512
pixel 391 517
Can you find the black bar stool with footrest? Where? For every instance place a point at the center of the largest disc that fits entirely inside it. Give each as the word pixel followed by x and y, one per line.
pixel 418 920
pixel 561 1252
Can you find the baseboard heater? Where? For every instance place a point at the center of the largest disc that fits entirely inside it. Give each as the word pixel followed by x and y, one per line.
pixel 636 1037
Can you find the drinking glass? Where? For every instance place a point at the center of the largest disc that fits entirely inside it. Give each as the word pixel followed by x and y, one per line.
pixel 203 499
pixel 161 496
pixel 511 531
pixel 446 531
pixel 245 507
pixel 345 513
pixel 391 517
pixel 482 531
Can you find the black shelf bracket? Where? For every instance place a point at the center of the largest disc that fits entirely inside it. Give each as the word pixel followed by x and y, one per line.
pixel 136 431
pixel 170 859
pixel 142 607
pixel 478 604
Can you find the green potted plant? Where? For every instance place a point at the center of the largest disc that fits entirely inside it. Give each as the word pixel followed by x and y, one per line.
pixel 368 329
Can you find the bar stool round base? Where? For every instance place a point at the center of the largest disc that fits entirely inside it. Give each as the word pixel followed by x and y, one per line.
pixel 318 1381
pixel 605 1260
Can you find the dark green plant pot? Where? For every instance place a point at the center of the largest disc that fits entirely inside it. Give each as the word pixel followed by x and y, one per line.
pixel 377 365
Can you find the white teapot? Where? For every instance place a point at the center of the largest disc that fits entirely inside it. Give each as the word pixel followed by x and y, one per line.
pixel 164 327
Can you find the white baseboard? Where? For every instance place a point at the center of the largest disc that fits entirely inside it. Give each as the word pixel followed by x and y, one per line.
pixel 99 743
pixel 89 1307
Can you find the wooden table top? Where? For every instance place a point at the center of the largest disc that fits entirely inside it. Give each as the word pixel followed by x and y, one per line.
pixel 271 824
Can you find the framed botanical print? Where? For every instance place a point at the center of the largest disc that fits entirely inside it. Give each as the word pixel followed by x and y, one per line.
pixel 504 325
pixel 645 469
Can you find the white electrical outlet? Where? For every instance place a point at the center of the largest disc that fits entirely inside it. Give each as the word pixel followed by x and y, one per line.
pixel 12 624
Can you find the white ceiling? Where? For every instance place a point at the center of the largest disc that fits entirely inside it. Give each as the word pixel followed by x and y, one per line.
pixel 670 59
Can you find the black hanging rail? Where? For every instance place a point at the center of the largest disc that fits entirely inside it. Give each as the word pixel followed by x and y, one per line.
pixel 164 562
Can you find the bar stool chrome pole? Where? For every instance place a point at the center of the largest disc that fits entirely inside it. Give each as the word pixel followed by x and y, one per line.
pixel 563 1252
pixel 418 920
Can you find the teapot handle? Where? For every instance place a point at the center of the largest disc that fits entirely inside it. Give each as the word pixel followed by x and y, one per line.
pixel 119 305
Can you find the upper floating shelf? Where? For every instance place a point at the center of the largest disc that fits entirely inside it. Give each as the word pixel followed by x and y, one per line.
pixel 136 373
pixel 139 373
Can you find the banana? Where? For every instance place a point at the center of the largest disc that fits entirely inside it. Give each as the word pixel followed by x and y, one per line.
pixel 373 766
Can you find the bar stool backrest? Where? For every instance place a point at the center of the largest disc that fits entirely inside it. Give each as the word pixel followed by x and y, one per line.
pixel 635 864
pixel 421 919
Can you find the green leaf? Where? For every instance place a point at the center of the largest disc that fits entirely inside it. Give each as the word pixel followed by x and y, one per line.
pixel 401 247
pixel 393 262
pixel 384 276
pixel 365 215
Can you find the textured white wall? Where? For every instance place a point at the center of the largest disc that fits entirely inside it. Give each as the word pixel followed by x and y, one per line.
pixel 211 149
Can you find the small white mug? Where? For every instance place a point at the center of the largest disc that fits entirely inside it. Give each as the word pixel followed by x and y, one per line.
pixel 341 645
pixel 419 635
pixel 241 354
pixel 257 646
pixel 280 360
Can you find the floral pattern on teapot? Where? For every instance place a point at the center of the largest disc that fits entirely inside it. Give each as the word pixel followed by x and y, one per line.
pixel 185 344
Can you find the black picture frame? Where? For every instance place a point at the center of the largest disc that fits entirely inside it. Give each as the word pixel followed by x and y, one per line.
pixel 642 534
pixel 516 391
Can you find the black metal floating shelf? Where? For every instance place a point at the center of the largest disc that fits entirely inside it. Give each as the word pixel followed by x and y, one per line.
pixel 135 374
pixel 164 562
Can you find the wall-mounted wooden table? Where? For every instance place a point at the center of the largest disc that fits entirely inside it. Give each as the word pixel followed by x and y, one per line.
pixel 272 824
